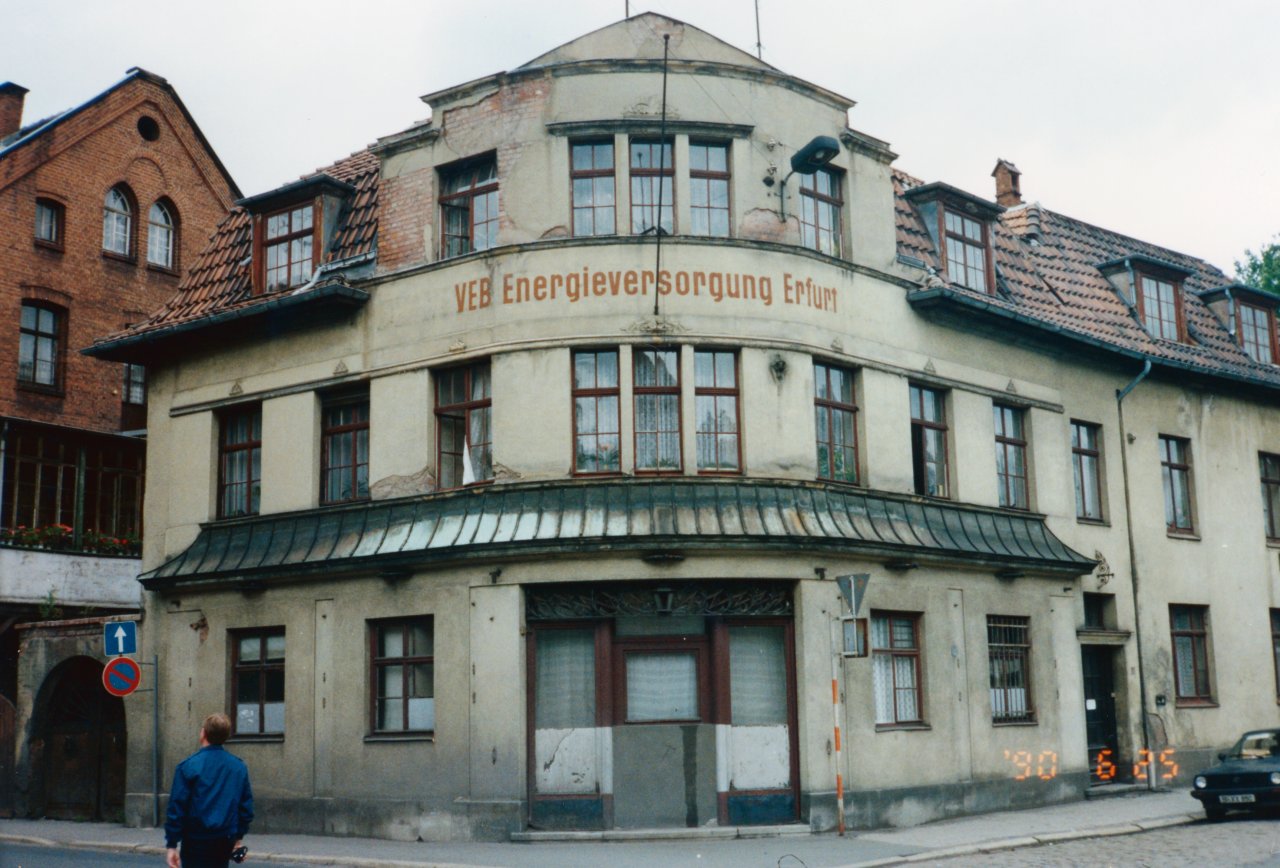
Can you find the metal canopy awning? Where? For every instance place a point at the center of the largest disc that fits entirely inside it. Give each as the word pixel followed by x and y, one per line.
pixel 637 515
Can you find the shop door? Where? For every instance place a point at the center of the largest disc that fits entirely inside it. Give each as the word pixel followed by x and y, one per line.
pixel 1097 663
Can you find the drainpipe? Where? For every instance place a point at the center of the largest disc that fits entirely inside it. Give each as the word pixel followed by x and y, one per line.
pixel 1133 568
pixel 4 444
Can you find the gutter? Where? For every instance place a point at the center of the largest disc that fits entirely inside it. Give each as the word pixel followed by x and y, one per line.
pixel 1133 565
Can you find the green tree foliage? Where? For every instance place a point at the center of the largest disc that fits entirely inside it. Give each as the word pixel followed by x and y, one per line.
pixel 1261 269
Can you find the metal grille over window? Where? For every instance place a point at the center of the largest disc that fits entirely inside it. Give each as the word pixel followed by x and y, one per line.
pixel 657 410
pixel 835 415
pixel 404 675
pixel 595 412
pixel 469 206
pixel 1009 655
pixel 895 668
pixel 288 247
pixel 716 405
pixel 258 683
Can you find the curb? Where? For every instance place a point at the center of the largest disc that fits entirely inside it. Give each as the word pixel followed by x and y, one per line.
pixel 1027 841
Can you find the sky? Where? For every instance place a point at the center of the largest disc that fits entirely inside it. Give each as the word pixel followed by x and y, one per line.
pixel 1155 118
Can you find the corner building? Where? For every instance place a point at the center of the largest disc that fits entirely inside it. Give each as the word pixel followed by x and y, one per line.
pixel 501 474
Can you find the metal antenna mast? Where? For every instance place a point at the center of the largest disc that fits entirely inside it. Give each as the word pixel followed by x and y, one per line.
pixel 759 47
pixel 662 168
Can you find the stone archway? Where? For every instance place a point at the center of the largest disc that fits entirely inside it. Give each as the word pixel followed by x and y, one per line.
pixel 78 745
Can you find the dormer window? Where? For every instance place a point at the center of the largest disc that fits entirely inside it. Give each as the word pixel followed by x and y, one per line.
pixel 960 225
pixel 1258 333
pixel 288 246
pixel 292 227
pixel 966 250
pixel 1160 307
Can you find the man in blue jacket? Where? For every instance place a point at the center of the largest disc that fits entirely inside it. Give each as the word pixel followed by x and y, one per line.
pixel 210 802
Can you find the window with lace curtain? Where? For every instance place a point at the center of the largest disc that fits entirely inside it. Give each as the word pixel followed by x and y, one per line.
pixel 895 667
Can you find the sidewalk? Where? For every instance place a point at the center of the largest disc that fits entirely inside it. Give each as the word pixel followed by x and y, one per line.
pixel 966 835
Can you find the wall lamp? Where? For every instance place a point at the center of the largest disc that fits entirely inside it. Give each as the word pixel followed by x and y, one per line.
pixel 809 159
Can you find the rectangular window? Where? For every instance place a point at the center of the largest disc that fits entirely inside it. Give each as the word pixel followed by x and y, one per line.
pixel 835 416
pixel 469 207
pixel 287 249
pixel 662 686
pixel 1275 646
pixel 240 462
pixel 1009 656
pixel 135 384
pixel 820 209
pixel 1175 468
pixel 1085 458
pixel 715 382
pixel 403 663
pixel 657 410
pixel 895 667
pixel 929 441
pixel 1158 304
pixel 591 174
pixel 1190 630
pixel 40 346
pixel 652 193
pixel 49 222
pixel 257 681
pixel 1257 333
pixel 596 426
pixel 1269 466
pixel 464 415
pixel 709 189
pixel 344 450
pixel 967 247
pixel 1011 457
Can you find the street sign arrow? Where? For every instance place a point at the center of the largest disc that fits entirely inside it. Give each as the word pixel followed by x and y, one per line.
pixel 120 637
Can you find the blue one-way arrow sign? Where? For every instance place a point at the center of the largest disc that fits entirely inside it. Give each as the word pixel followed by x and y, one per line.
pixel 120 637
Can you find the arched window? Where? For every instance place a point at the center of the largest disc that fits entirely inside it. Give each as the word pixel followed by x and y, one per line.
pixel 117 223
pixel 161 233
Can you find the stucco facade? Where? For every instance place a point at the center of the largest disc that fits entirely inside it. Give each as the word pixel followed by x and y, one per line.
pixel 605 638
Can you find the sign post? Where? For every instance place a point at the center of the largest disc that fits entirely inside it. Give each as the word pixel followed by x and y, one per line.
pixel 851 589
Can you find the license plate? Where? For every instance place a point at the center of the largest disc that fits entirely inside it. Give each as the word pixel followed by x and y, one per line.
pixel 1236 800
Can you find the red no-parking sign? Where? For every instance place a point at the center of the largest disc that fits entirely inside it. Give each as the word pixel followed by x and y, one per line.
pixel 121 676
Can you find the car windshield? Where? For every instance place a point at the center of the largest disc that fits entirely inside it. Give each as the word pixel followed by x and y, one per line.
pixel 1256 745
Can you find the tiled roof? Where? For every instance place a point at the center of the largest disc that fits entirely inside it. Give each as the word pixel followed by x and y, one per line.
pixel 221 279
pixel 1047 274
pixel 542 518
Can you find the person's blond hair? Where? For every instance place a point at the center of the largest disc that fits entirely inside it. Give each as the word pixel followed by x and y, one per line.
pixel 217 727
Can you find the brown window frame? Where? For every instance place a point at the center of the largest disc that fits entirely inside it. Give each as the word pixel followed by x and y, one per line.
pixel 57 337
pixel 329 431
pixel 893 652
pixel 709 177
pixel 464 409
pixel 227 449
pixel 1000 650
pixel 1269 350
pixel 984 247
pixel 1174 467
pixel 1201 666
pixel 833 406
pixel 1179 319
pixel 464 200
pixel 262 667
pixel 262 243
pixel 1275 647
pixel 920 424
pixel 377 662
pixel 592 175
pixel 595 394
pixel 59 222
pixel 1080 454
pixel 638 392
pixel 698 645
pixel 811 199
pixel 1009 444
pixel 715 391
pixel 666 174
pixel 1270 481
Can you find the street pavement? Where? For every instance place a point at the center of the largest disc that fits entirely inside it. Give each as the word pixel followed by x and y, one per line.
pixel 1006 838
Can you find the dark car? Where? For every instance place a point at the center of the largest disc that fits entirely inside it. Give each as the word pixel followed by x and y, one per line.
pixel 1247 777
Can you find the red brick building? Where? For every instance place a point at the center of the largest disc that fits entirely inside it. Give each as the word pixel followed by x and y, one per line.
pixel 101 208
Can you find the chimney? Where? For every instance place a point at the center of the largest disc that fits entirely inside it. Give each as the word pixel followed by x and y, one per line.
pixel 1008 193
pixel 11 98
